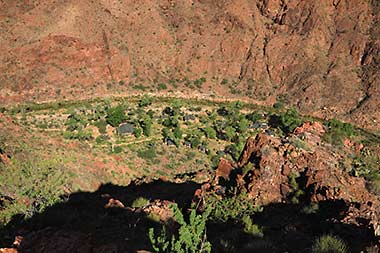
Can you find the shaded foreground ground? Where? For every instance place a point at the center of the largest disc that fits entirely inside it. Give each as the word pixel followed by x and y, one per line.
pixel 85 223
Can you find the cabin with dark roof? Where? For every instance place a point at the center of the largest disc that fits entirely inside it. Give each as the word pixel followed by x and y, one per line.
pixel 125 129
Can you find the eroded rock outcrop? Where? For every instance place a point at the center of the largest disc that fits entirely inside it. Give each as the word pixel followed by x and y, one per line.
pixel 280 166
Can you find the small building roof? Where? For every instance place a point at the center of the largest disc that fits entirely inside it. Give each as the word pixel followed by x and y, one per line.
pixel 125 128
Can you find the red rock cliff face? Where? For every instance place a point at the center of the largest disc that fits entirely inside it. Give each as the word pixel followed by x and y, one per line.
pixel 321 55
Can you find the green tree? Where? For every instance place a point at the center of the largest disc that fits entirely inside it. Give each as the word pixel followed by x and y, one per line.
pixel 116 116
pixel 177 132
pixel 145 101
pixel 194 139
pixel 289 120
pixel 146 124
pixel 229 133
pixel 243 125
pixel 210 132
pixel 137 132
pixel 166 132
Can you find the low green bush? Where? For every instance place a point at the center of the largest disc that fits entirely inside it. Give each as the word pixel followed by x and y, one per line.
pixel 117 150
pixel 251 228
pixel 148 153
pixel 101 139
pixel 162 86
pixel 329 244
pixel 145 101
pixel 233 207
pixel 296 192
pixel 140 202
pixel 191 235
pixel 337 132
pixel 82 135
pixel 137 132
pixel 102 126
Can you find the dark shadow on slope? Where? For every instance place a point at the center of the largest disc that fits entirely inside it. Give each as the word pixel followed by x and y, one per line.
pixel 290 228
pixel 83 224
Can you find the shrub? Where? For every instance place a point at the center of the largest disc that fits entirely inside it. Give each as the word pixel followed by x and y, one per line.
pixel 254 116
pixel 140 202
pixel 346 128
pixel 117 150
pixel 199 82
pixel 191 235
pixel 145 101
pixel 82 135
pixel 102 126
pixel 278 105
pixel 116 116
pixel 137 132
pixel 74 122
pixel 236 148
pixel 146 125
pixel 337 132
pixel 194 139
pixel 290 120
pixel 296 191
pixel 251 228
pixel 34 185
pixel 147 154
pixel 236 106
pixel 299 144
pixel 101 139
pixel 224 82
pixel 233 207
pixel 162 86
pixel 329 244
pixel 177 132
pixel 281 100
pixel 234 151
pixel 229 133
pixel 177 104
pixel 242 126
pixel 210 132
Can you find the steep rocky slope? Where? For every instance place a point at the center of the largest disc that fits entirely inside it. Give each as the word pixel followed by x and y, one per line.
pixel 278 168
pixel 320 56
